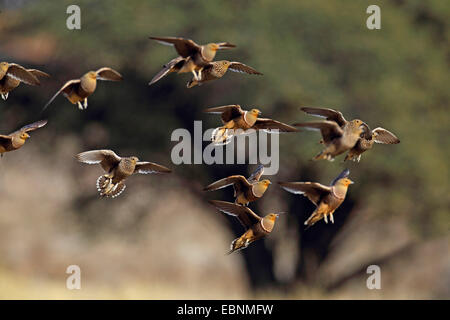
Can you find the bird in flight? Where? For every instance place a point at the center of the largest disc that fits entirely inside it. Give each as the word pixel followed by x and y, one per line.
pixel 12 74
pixel 338 134
pixel 78 90
pixel 245 190
pixel 217 69
pixel 117 169
pixel 237 121
pixel 256 227
pixel 326 198
pixel 367 140
pixel 18 138
pixel 192 56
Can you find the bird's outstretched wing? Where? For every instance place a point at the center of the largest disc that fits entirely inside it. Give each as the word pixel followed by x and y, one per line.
pixel 228 112
pixel 38 73
pixel 106 158
pixel 381 135
pixel 108 74
pixel 5 140
pixel 312 190
pixel 166 69
pixel 242 68
pixel 20 73
pixel 237 180
pixel 33 126
pixel 269 124
pixel 329 114
pixel 328 129
pixel 256 175
pixel 66 88
pixel 245 215
pixel 184 47
pixel 145 167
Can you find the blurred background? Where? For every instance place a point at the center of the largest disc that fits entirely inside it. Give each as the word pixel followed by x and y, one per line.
pixel 161 239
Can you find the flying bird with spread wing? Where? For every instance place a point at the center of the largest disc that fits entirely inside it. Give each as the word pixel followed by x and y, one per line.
pixel 367 140
pixel 192 56
pixel 256 227
pixel 78 90
pixel 326 198
pixel 117 169
pixel 12 74
pixel 245 190
pixel 217 69
pixel 237 121
pixel 18 138
pixel 338 134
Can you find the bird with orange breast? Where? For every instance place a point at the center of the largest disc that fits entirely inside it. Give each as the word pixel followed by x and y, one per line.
pixel 237 121
pixel 17 139
pixel 256 227
pixel 326 198
pixel 245 190
pixel 79 90
pixel 12 74
pixel 192 56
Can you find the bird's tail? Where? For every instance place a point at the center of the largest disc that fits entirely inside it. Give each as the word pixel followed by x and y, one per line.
pixel 313 218
pixel 109 189
pixel 237 244
pixel 220 136
pixel 324 155
pixel 192 83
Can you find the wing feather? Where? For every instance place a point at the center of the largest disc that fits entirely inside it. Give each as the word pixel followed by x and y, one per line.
pixel 106 158
pixel 312 190
pixel 244 214
pixel 145 167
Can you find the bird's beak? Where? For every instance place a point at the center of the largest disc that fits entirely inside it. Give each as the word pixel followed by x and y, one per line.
pixel 27 135
pixel 259 113
pixel 225 46
pixel 350 181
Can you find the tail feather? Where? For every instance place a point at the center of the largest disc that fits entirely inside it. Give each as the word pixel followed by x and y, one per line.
pixel 192 83
pixel 315 216
pixel 237 244
pixel 108 189
pixel 220 136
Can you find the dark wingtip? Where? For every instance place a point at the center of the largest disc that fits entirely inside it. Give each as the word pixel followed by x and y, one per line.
pixel 343 174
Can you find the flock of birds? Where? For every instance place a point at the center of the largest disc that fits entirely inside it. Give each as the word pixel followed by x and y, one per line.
pixel 338 136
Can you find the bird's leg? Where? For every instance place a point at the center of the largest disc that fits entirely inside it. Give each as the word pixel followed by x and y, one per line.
pixel 359 158
pixel 80 106
pixel 200 73
pixel 331 218
pixel 195 75
pixel 325 218
pixel 85 103
pixel 5 96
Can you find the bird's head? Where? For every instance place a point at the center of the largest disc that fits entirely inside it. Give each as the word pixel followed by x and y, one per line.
pixel 220 46
pixel 92 74
pixel 24 136
pixel 344 182
pixel 255 112
pixel 358 125
pixel 134 159
pixel 266 182
pixel 3 68
pixel 272 216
